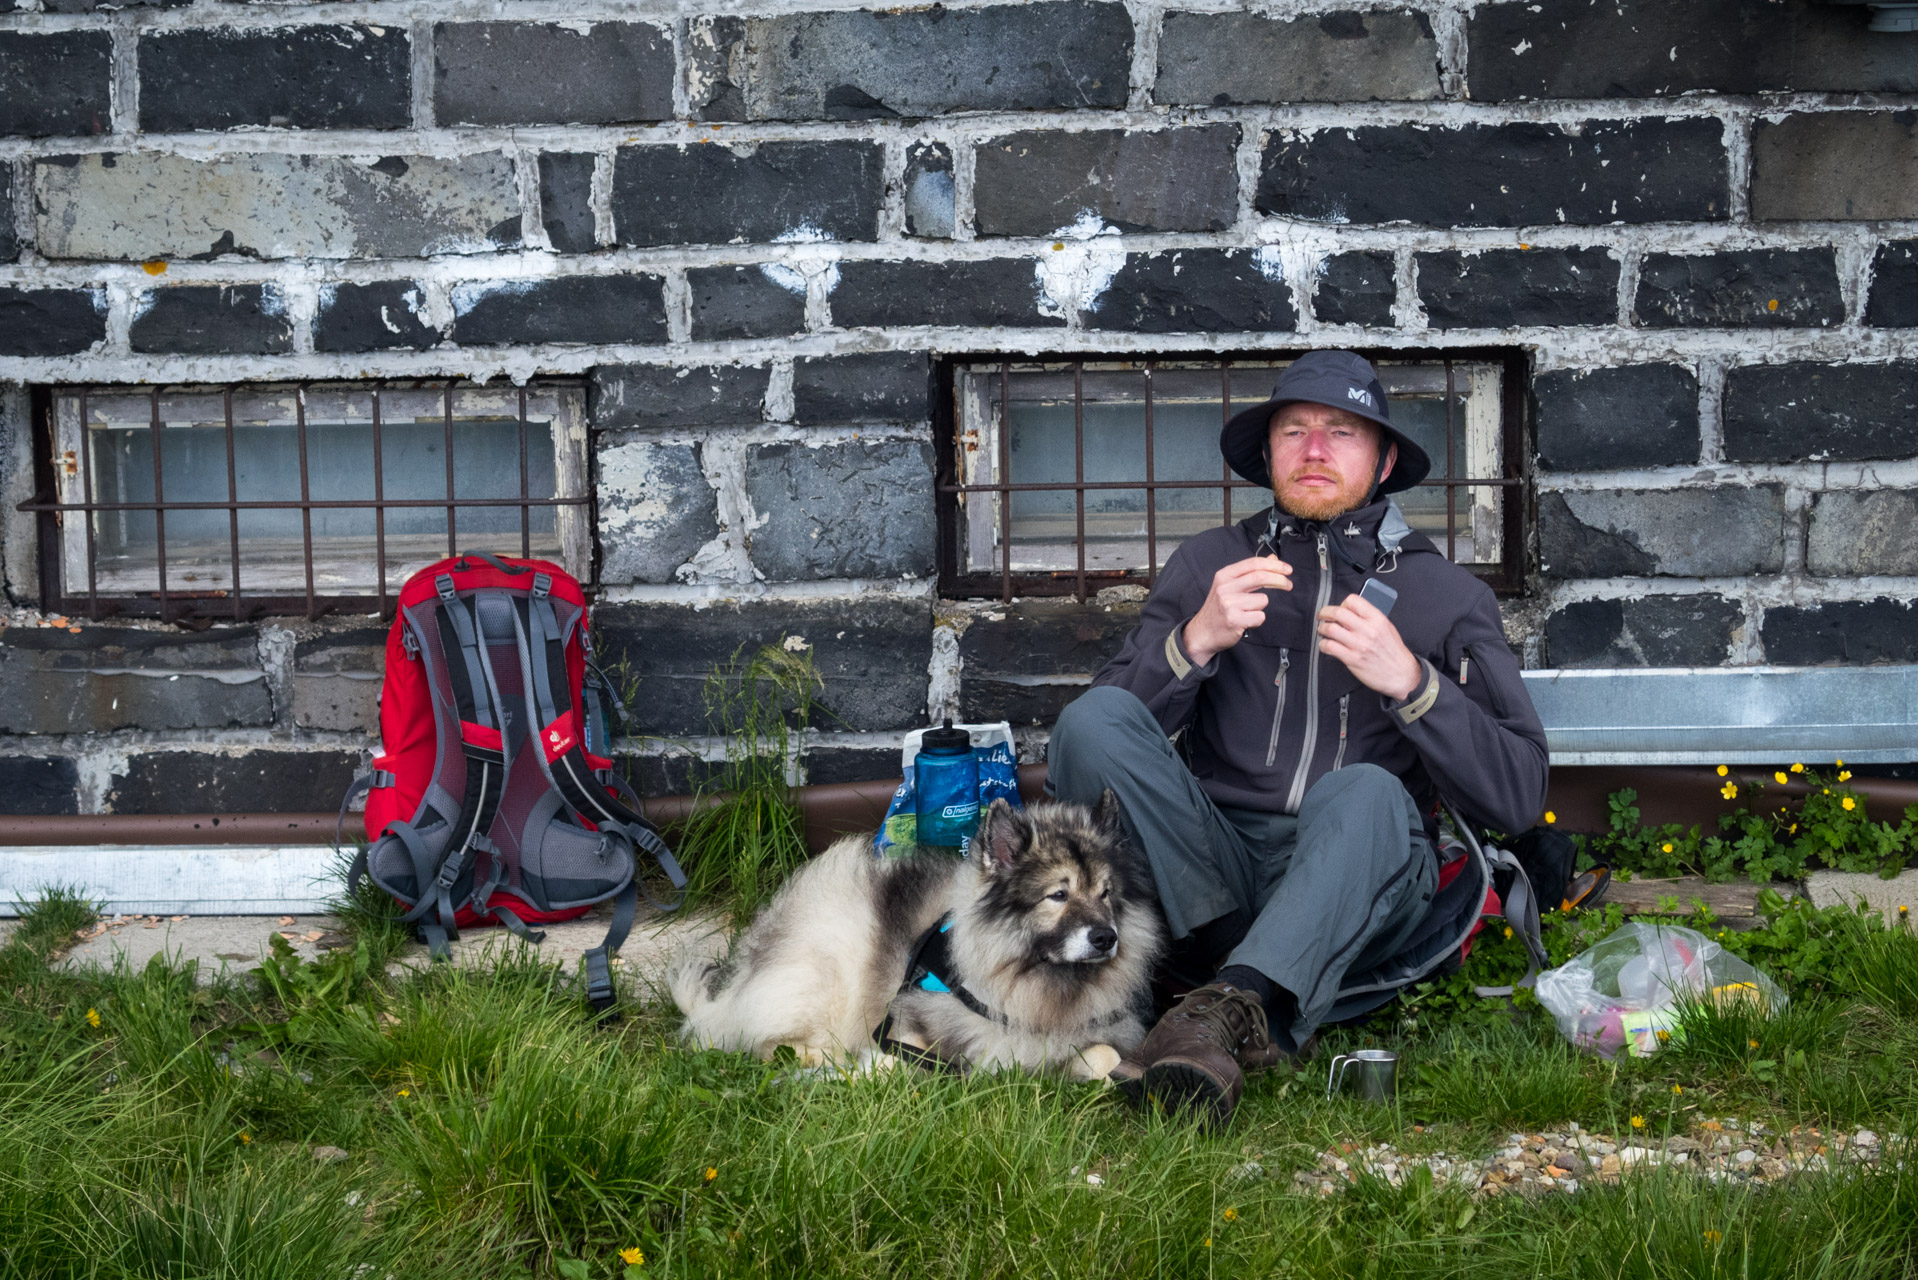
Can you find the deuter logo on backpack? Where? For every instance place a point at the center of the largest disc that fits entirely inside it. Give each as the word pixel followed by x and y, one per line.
pixel 466 822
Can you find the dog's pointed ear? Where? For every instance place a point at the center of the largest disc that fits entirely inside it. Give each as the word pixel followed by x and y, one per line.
pixel 1004 835
pixel 1106 815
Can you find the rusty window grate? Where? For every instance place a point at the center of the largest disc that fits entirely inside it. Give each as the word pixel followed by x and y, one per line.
pixel 1060 477
pixel 200 503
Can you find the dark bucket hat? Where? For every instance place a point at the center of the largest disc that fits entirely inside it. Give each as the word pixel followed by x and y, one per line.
pixel 1340 379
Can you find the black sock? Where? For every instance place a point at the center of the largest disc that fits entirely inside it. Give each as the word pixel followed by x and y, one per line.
pixel 1246 978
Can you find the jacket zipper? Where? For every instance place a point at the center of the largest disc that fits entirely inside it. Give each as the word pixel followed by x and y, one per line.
pixel 1464 667
pixel 1297 795
pixel 1345 705
pixel 1278 712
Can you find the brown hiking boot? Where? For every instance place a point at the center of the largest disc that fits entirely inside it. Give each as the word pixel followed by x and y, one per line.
pixel 1195 1057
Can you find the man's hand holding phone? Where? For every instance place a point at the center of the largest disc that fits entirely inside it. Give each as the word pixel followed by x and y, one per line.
pixel 1235 605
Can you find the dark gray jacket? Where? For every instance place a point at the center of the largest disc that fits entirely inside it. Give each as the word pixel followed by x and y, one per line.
pixel 1271 715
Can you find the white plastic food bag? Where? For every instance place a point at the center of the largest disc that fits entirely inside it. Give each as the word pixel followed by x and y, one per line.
pixel 1626 991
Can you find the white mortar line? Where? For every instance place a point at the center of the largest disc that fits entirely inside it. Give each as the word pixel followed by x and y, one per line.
pixel 124 83
pixel 420 39
pixel 1712 372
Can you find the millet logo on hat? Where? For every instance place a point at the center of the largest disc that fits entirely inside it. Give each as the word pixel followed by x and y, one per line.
pixel 1359 394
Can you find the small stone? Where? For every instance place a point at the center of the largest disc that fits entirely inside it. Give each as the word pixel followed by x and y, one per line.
pixel 1866 1138
pixel 1611 1164
pixel 1250 1171
pixel 328 1155
pixel 1745 1156
pixel 1570 1164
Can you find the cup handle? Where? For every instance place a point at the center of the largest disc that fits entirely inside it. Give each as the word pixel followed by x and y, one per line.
pixel 1335 1074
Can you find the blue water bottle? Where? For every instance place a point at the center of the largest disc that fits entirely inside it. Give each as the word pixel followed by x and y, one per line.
pixel 945 787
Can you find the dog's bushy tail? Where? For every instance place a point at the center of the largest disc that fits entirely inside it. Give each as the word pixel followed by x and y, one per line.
pixel 692 980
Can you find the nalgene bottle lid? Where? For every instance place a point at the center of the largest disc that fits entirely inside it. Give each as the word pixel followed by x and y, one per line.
pixel 946 741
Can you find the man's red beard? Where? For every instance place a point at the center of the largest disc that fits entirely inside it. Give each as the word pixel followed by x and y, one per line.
pixel 1319 503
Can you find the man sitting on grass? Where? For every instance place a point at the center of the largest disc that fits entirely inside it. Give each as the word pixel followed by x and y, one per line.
pixel 1298 844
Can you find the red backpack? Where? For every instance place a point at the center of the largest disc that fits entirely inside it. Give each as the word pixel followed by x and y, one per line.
pixel 486 806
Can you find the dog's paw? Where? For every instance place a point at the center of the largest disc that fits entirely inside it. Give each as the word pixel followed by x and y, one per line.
pixel 1096 1062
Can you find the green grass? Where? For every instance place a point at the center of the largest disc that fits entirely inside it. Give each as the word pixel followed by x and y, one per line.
pixel 493 1129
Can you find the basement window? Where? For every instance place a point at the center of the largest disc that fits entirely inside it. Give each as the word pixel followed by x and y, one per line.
pixel 232 502
pixel 1064 476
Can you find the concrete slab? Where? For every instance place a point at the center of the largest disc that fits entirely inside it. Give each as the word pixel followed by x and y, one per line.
pixel 236 944
pixel 1832 888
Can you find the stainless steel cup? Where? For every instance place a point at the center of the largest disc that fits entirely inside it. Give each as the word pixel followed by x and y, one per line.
pixel 1377 1075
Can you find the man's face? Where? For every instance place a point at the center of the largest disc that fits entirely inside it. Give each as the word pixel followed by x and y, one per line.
pixel 1322 459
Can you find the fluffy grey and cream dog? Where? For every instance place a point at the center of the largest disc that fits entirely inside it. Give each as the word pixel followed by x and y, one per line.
pixel 1053 934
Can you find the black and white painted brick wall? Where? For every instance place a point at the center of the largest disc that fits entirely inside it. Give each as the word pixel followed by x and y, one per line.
pixel 750 232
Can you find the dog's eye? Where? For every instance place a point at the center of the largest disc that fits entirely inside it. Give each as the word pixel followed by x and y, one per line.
pixel 1057 895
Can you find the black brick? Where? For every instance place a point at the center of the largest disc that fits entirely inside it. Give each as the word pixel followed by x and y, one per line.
pixel 1648 631
pixel 585 309
pixel 873 653
pixel 826 765
pixel 1026 666
pixel 1195 291
pixel 1603 419
pixel 50 322
pixel 1752 288
pixel 1835 164
pixel 678 774
pixel 801 497
pixel 1818 412
pixel 1219 59
pixel 1503 288
pixel 9 244
pixel 318 77
pixel 45 784
pixel 1894 286
pixel 250 782
pixel 887 386
pixel 566 200
pixel 708 194
pixel 1036 183
pixel 741 302
pixel 1719 532
pixel 104 678
pixel 913 62
pixel 1503 175
pixel 205 320
pixel 55 82
pixel 1645 48
pixel 1356 288
pixel 539 73
pixel 1844 631
pixel 380 316
pixel 644 395
pixel 996 291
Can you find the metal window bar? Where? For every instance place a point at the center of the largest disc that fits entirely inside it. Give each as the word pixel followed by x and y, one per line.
pixel 1082 578
pixel 202 607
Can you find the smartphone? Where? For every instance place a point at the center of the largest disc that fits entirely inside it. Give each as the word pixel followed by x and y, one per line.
pixel 1379 596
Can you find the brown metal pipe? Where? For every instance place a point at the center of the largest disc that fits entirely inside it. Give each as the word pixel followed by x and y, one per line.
pixel 1578 803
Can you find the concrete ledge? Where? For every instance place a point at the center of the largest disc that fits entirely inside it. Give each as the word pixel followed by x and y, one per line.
pixel 175 880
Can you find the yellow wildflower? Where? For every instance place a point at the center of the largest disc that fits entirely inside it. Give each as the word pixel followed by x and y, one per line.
pixel 246 1138
pixel 1794 829
pixel 1729 791
pixel 1206 1243
pixel 1664 1036
pixel 1667 846
pixel 1798 768
pixel 1752 1043
pixel 1508 930
pixel 406 1093
pixel 93 1017
pixel 1838 764
pixel 1844 775
pixel 1849 803
pixel 1903 910
pixel 632 1257
pixel 1230 1215
pixel 1722 771
pixel 1782 779
pixel 1712 1237
pixel 1638 1122
pixel 1550 817
pixel 1678 1088
pixel 711 1173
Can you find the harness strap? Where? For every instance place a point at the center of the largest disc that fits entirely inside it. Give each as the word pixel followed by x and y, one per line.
pixel 361 785
pixel 508 917
pixel 600 992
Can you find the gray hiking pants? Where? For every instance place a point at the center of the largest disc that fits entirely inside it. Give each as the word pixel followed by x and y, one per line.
pixel 1336 889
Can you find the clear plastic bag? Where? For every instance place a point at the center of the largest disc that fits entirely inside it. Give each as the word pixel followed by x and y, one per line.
pixel 1629 990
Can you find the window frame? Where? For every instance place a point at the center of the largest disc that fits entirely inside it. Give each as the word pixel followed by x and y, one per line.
pixel 573 484
pixel 1507 577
